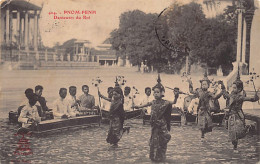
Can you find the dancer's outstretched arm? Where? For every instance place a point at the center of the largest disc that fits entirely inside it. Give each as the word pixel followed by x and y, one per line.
pixel 104 97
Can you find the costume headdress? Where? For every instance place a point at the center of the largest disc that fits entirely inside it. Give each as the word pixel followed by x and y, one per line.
pixel 238 82
pixel 159 85
pixel 205 78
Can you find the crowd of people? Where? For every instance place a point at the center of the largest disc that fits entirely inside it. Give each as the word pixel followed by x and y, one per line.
pixel 118 101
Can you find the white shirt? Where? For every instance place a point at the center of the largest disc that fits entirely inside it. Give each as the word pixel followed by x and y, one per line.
pixel 145 100
pixel 128 103
pixel 105 105
pixel 27 112
pixel 72 101
pixel 60 107
pixel 193 105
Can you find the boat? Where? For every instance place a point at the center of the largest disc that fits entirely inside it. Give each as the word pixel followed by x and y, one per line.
pixel 175 117
pixel 65 124
pixel 192 118
pixel 13 116
pixel 50 124
pixel 216 117
pixel 128 114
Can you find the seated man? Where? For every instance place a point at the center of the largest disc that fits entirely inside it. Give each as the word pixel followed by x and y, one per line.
pixel 87 101
pixel 61 105
pixel 25 101
pixel 73 102
pixel 193 107
pixel 29 116
pixel 41 100
pixel 105 103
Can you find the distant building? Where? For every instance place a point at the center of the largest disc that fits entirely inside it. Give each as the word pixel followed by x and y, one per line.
pixel 213 8
pixel 19 28
pixel 106 55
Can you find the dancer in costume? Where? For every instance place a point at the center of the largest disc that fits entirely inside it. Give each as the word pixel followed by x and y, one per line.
pixel 205 96
pixel 160 122
pixel 116 116
pixel 237 128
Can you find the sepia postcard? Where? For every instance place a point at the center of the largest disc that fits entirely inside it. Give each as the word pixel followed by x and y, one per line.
pixel 130 81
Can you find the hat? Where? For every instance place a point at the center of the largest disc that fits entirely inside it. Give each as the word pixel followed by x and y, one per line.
pixel 205 78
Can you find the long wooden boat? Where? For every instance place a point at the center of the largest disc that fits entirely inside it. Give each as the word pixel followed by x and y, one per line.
pixel 64 124
pixel 13 116
pixel 175 118
pixel 128 114
pixel 216 117
pixel 52 125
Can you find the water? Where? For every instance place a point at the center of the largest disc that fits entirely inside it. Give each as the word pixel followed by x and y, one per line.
pixel 89 145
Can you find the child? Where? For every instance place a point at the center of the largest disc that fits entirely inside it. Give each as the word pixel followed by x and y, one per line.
pixel 236 118
pixel 29 115
pixel 116 117
pixel 204 115
pixel 160 122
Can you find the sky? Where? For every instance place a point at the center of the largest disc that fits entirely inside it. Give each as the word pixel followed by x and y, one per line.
pixel 98 27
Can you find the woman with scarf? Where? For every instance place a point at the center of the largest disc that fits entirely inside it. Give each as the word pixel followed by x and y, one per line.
pixel 160 122
pixel 237 128
pixel 116 116
pixel 204 108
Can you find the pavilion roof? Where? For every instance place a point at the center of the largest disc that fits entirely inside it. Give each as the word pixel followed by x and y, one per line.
pixel 19 5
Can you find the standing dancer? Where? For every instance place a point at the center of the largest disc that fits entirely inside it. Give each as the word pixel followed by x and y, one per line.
pixel 204 116
pixel 237 128
pixel 116 117
pixel 160 122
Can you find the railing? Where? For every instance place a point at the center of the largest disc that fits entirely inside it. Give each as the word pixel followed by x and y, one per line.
pixel 47 56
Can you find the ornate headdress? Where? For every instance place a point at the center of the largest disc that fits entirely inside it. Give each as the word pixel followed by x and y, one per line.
pixel 205 78
pixel 159 85
pixel 238 82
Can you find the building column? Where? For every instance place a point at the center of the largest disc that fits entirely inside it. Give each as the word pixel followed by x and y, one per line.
pixel 26 30
pixel 68 57
pixel 239 35
pixel 18 25
pixel 11 27
pixel 243 57
pixel 77 52
pixel 98 59
pixel 93 58
pixel 35 36
pixel 22 32
pixel 7 26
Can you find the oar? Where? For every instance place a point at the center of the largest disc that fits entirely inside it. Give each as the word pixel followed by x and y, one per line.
pixel 179 92
pixel 99 103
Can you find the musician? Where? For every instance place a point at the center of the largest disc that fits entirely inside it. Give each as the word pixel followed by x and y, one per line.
pixel 73 102
pixel 29 115
pixel 61 105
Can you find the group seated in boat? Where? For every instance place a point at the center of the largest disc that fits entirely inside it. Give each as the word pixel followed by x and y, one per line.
pixel 64 107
